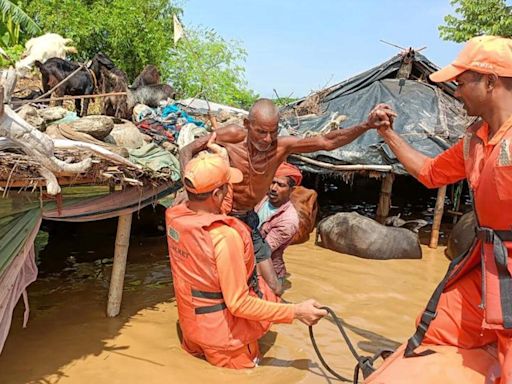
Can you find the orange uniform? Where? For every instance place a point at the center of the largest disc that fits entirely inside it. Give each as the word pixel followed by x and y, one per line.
pixel 470 314
pixel 211 260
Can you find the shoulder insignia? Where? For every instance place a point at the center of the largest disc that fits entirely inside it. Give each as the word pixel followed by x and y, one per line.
pixel 173 234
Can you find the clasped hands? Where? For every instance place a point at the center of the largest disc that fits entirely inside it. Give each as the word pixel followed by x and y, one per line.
pixel 381 118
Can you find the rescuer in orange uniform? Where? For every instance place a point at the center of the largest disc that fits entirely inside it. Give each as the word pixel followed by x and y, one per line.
pixel 472 307
pixel 212 259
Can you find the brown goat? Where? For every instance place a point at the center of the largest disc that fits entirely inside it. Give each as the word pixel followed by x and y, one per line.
pixel 111 79
pixel 149 76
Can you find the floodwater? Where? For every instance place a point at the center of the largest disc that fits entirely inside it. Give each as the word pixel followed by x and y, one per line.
pixel 70 340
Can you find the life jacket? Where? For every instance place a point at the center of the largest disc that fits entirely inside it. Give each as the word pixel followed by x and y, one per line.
pixel 490 181
pixel 203 315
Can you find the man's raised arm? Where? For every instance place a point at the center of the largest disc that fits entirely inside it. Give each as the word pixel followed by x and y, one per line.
pixel 333 139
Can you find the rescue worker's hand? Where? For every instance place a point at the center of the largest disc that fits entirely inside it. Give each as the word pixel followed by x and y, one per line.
pixel 309 312
pixel 381 117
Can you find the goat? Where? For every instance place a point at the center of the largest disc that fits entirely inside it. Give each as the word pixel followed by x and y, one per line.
pixel 55 70
pixel 150 95
pixel 111 79
pixel 149 76
pixel 41 49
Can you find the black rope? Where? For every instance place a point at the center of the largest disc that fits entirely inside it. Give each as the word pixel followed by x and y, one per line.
pixel 364 363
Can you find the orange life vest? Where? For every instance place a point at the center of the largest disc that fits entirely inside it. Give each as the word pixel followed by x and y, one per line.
pixel 491 183
pixel 203 315
pixel 490 180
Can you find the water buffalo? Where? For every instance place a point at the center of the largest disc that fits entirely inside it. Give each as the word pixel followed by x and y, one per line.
pixel 353 234
pixel 461 237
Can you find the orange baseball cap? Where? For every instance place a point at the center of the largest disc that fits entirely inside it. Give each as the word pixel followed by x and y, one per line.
pixel 483 54
pixel 208 171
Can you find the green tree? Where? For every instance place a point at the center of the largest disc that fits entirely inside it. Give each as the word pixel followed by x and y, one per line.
pixel 14 23
pixel 132 33
pixel 477 17
pixel 15 27
pixel 203 64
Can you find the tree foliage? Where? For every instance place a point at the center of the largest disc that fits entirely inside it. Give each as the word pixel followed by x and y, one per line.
pixel 14 23
pixel 134 33
pixel 203 64
pixel 477 17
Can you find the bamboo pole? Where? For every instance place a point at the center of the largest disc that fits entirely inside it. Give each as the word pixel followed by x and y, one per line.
pixel 22 102
pixel 385 197
pixel 438 215
pixel 213 120
pixel 349 167
pixel 115 293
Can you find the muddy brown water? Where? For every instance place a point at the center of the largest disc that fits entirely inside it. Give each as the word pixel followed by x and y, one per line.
pixel 70 340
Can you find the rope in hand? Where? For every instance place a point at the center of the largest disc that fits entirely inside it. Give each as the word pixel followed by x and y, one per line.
pixel 364 363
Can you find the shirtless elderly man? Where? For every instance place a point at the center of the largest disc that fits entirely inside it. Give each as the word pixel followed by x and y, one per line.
pixel 257 151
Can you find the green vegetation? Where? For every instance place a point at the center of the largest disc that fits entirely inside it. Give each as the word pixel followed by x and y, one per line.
pixel 15 27
pixel 15 24
pixel 205 65
pixel 134 33
pixel 477 17
pixel 282 101
pixel 131 32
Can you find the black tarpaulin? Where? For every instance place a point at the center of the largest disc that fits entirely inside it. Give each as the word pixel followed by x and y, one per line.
pixel 429 117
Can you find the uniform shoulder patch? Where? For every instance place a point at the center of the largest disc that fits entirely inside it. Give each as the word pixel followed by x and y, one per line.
pixel 505 156
pixel 173 234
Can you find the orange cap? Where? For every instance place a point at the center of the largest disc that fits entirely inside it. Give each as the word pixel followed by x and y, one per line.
pixel 208 171
pixel 483 54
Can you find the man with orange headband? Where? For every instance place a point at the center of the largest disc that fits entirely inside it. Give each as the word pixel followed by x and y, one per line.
pixel 279 220
pixel 212 258
pixel 472 306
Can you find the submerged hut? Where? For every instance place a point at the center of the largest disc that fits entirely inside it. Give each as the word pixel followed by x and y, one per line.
pixel 430 118
pixel 68 180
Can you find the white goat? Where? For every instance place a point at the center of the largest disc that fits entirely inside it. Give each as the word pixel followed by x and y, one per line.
pixel 42 48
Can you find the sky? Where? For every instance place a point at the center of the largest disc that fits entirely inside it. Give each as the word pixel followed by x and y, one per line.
pixel 297 46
